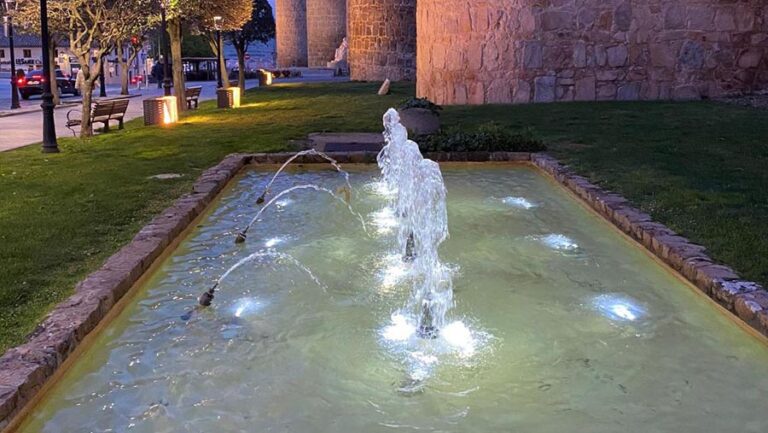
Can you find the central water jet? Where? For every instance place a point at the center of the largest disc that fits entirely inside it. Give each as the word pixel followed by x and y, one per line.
pixel 419 205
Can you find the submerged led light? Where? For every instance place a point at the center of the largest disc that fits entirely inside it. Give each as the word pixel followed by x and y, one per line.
pixel 518 202
pixel 559 242
pixel 381 188
pixel 457 335
pixel 272 242
pixel 384 220
pixel 245 306
pixel 619 308
pixel 401 329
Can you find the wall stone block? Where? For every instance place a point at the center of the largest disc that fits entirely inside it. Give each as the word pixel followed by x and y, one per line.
pixel 617 49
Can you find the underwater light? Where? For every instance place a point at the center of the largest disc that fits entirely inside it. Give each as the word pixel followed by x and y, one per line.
pixel 384 220
pixel 619 307
pixel 559 242
pixel 518 202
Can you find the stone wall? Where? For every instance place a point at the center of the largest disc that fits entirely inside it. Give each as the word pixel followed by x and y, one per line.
pixel 488 51
pixel 326 27
pixel 382 39
pixel 291 32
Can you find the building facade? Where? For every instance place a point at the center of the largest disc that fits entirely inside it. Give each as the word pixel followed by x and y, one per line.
pixel 519 51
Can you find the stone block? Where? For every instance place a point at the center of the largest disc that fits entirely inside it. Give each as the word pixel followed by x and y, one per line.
pixel 617 55
pixel 544 89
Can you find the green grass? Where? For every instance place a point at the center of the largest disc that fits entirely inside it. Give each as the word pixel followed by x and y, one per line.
pixel 698 167
pixel 701 168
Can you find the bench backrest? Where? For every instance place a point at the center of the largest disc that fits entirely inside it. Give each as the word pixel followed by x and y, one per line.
pixel 113 108
pixel 102 109
pixel 193 92
pixel 119 107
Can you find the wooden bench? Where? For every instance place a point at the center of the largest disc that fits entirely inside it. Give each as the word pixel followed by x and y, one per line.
pixel 192 94
pixel 102 111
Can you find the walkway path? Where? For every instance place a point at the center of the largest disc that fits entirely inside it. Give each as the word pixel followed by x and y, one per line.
pixel 24 129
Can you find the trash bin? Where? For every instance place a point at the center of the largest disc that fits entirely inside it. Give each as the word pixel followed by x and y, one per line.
pixel 160 111
pixel 265 78
pixel 228 98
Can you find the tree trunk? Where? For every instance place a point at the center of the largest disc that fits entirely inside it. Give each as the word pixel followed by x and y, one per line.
pixel 241 67
pixel 223 68
pixel 221 65
pixel 123 69
pixel 52 66
pixel 174 30
pixel 86 127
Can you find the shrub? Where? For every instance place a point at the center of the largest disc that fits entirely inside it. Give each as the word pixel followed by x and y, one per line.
pixel 489 137
pixel 421 103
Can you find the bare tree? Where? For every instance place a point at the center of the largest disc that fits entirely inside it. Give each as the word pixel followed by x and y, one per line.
pixel 260 28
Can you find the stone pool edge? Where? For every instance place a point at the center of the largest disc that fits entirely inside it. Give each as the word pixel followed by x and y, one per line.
pixel 25 369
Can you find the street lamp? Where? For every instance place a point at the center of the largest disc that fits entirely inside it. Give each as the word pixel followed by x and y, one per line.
pixel 217 22
pixel 49 127
pixel 165 4
pixel 10 7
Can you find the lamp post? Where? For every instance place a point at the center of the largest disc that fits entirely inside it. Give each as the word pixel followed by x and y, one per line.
pixel 10 7
pixel 49 127
pixel 103 79
pixel 217 21
pixel 166 73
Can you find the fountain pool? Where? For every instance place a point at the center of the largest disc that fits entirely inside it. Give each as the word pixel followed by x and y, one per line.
pixel 559 323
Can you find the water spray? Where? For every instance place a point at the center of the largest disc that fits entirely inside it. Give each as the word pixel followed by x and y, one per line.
pixel 345 198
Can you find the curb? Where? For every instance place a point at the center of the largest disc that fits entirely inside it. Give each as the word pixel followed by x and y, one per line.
pixel 68 104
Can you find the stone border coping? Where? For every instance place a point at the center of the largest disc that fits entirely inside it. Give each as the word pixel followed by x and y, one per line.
pixel 26 368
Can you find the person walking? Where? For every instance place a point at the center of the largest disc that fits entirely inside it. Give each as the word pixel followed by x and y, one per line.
pixel 79 78
pixel 157 74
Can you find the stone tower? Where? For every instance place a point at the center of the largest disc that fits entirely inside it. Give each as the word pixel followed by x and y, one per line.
pixel 382 39
pixel 326 27
pixel 518 51
pixel 291 32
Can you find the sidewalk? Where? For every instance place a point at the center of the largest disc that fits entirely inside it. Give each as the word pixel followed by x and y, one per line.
pixel 24 129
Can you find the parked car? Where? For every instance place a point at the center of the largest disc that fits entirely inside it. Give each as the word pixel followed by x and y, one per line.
pixel 32 84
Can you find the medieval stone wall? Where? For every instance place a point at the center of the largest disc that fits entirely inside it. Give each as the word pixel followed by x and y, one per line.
pixel 489 51
pixel 291 32
pixel 382 39
pixel 326 27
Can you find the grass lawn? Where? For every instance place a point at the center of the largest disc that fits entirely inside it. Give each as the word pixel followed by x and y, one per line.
pixel 698 167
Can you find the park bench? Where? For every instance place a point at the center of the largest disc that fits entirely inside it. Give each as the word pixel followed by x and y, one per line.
pixel 192 94
pixel 102 111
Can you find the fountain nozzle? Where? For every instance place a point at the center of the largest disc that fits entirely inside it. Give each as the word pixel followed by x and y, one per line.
pixel 260 200
pixel 427 329
pixel 240 238
pixel 207 297
pixel 409 246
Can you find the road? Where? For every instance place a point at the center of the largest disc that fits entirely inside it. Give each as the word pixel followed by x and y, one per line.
pixel 24 129
pixel 5 97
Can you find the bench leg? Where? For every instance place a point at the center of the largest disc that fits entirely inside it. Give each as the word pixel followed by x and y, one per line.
pixel 121 123
pixel 106 126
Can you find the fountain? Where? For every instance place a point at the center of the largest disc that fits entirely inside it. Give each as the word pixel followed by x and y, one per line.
pixel 317 328
pixel 419 204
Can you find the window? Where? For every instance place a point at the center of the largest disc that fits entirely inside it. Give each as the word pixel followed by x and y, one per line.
pixel 2 54
pixel 27 53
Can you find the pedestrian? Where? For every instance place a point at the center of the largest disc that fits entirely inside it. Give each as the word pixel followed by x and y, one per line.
pixel 157 74
pixel 79 79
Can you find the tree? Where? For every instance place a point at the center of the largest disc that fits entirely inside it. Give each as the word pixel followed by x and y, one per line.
pixel 235 14
pixel 198 14
pixel 28 17
pixel 93 28
pixel 260 28
pixel 131 23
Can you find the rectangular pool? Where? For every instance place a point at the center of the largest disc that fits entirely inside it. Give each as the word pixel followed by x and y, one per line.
pixel 576 328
